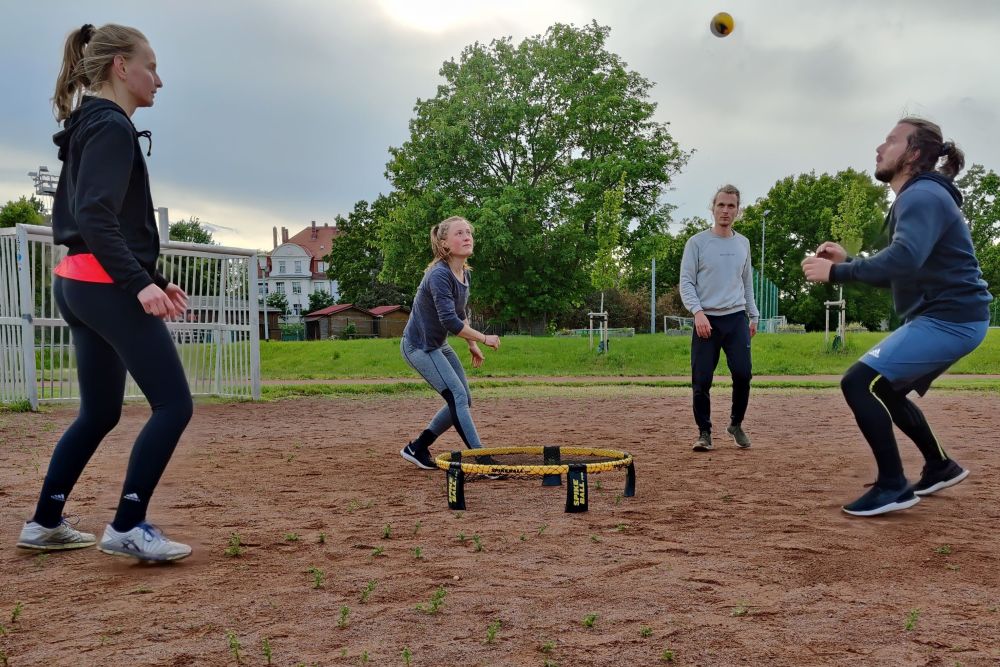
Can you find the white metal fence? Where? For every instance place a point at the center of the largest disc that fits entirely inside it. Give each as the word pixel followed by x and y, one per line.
pixel 218 340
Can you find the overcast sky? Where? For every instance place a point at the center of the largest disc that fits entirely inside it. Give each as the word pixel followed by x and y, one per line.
pixel 279 113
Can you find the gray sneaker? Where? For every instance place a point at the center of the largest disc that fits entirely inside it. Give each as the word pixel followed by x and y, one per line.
pixel 741 438
pixel 63 536
pixel 703 443
pixel 145 542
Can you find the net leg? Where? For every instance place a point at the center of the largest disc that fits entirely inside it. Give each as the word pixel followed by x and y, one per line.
pixel 630 481
pixel 456 486
pixel 576 488
pixel 551 457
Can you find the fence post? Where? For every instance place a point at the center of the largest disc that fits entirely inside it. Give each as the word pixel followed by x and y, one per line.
pixel 27 317
pixel 252 269
pixel 220 324
pixel 164 224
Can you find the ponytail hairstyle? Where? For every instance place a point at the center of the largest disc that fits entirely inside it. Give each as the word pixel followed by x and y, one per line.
pixel 928 143
pixel 439 233
pixel 87 59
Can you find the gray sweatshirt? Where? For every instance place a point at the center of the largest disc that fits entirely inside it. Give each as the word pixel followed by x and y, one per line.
pixel 716 275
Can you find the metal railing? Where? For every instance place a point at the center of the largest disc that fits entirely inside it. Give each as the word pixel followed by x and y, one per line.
pixel 218 339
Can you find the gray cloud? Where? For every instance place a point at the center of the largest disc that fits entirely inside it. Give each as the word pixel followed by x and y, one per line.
pixel 283 113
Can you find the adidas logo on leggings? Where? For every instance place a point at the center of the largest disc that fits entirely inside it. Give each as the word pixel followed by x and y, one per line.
pixel 134 497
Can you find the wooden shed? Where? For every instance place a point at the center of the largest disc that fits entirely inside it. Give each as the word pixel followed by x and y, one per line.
pixel 331 321
pixel 390 320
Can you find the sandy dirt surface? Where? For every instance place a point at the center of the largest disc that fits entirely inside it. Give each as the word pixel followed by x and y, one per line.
pixel 726 558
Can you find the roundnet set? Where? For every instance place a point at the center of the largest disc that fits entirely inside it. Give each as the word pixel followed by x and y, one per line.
pixel 458 464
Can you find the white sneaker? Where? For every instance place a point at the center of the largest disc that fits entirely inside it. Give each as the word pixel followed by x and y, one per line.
pixel 145 542
pixel 63 536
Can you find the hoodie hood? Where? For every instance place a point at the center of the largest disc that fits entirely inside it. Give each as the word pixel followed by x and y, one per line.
pixel 941 180
pixel 89 109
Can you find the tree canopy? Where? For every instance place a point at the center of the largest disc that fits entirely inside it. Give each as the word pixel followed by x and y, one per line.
pixel 318 300
pixel 23 211
pixel 802 212
pixel 192 230
pixel 981 191
pixel 355 259
pixel 524 140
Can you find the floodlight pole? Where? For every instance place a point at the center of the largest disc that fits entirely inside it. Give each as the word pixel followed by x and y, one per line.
pixel 652 300
pixel 760 278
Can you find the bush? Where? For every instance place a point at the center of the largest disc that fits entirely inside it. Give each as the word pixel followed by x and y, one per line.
pixel 293 331
pixel 348 331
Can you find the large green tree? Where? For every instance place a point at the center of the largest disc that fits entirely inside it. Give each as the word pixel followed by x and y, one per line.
pixel 198 276
pixel 355 259
pixel 610 226
pixel 25 211
pixel 981 206
pixel 654 238
pixel 279 302
pixel 318 300
pixel 192 230
pixel 802 212
pixel 524 140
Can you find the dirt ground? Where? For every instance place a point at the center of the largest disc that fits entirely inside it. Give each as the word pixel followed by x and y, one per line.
pixel 726 558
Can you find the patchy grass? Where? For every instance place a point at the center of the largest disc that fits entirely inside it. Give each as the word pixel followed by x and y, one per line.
pixel 645 354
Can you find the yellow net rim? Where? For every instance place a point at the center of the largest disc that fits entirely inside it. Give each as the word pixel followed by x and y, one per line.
pixel 620 460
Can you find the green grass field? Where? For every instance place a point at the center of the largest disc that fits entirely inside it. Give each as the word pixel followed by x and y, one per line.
pixel 643 355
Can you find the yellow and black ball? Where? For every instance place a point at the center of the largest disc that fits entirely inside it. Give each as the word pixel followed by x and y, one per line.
pixel 722 24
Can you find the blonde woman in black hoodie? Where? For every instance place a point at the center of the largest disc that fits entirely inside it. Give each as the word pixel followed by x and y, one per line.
pixel 110 292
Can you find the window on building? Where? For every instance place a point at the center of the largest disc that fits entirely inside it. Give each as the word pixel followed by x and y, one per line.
pixel 298 266
pixel 297 308
pixel 320 287
pixel 296 287
pixel 281 267
pixel 262 287
pixel 279 287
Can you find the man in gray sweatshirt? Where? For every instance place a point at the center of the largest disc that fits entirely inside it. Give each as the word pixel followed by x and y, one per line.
pixel 717 287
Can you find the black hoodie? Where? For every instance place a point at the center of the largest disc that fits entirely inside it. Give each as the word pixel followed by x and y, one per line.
pixel 930 262
pixel 103 204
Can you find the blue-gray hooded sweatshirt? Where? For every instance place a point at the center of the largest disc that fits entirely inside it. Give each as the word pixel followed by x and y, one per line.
pixel 930 263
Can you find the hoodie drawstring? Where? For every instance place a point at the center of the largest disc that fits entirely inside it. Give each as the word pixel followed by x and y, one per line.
pixel 149 137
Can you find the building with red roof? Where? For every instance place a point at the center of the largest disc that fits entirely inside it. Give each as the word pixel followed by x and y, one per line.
pixel 296 267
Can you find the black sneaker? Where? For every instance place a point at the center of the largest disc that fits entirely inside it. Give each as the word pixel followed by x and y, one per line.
pixel 490 461
pixel 741 438
pixel 703 443
pixel 418 457
pixel 879 500
pixel 935 478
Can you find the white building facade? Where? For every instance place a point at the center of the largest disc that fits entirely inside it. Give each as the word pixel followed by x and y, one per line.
pixel 296 268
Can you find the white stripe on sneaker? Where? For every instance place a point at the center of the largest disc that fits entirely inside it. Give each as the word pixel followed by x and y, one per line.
pixel 885 509
pixel 943 484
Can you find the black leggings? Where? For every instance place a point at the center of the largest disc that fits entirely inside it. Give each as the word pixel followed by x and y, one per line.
pixel 112 334
pixel 877 406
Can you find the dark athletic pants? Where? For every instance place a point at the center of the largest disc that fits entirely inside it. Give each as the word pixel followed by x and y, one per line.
pixel 877 406
pixel 112 334
pixel 732 334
